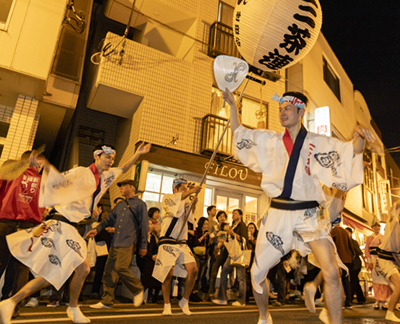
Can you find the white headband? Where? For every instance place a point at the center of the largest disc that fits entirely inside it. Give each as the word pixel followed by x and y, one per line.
pixel 178 181
pixel 293 100
pixel 104 149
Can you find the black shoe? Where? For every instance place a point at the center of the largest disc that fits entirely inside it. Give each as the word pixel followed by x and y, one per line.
pixel 95 296
pixel 277 304
pixel 194 298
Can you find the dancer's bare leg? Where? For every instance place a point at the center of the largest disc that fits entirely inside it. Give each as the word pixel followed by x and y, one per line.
pixel 31 287
pixel 325 253
pixel 394 298
pixel 81 272
pixel 166 287
pixel 319 279
pixel 7 306
pixel 192 272
pixel 262 300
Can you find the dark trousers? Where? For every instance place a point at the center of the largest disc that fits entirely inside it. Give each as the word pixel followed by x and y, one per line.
pixel 98 273
pixel 219 262
pixel 18 273
pixel 346 285
pixel 355 286
pixel 240 277
pixel 277 275
pixel 201 266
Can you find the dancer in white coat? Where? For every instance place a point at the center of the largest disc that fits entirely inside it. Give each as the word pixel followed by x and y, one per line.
pixel 295 164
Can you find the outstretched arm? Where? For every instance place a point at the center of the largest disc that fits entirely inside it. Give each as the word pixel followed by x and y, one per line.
pixel 361 133
pixel 142 149
pixel 229 98
pixel 38 160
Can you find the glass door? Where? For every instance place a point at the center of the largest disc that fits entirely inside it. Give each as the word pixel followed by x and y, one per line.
pixel 227 202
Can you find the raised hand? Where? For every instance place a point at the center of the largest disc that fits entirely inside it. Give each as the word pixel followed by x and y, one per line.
pixel 143 148
pixel 228 97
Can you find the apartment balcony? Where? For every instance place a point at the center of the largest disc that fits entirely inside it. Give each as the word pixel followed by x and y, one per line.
pixel 212 128
pixel 221 41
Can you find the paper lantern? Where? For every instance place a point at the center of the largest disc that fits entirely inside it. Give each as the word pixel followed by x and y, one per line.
pixel 229 72
pixel 275 34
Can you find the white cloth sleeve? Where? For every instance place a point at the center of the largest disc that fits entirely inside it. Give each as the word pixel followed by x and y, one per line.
pixel 170 205
pixel 249 146
pixel 64 188
pixel 335 165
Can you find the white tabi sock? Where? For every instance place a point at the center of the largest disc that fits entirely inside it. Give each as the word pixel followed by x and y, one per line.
pixel 167 309
pixel 267 321
pixel 76 316
pixel 184 305
pixel 391 317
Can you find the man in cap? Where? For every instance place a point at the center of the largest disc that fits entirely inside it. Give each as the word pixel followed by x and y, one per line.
pixel 294 164
pixel 174 255
pixel 129 217
pixel 57 250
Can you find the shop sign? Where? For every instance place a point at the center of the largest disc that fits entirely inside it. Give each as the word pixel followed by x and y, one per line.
pixel 227 171
pixel 322 121
pixel 384 191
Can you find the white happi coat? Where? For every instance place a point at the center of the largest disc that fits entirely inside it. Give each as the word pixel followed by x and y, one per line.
pixel 174 255
pixel 59 250
pixel 391 245
pixel 323 161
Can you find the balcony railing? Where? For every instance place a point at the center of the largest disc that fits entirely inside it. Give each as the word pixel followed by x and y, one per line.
pixel 221 41
pixel 212 129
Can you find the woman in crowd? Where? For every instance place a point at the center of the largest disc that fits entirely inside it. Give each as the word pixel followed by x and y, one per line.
pixel 201 242
pixel 381 290
pixel 154 213
pixel 240 233
pixel 220 253
pixel 253 232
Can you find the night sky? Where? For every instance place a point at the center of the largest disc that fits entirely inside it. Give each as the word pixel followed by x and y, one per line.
pixel 365 36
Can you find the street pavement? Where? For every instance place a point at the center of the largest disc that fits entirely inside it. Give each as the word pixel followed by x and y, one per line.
pixel 203 313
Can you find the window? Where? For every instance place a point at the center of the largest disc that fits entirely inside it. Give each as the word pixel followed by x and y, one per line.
pixel 90 135
pixel 7 7
pixel 250 210
pixel 253 114
pixel 331 79
pixel 157 185
pixel 4 129
pixel 225 14
pixel 208 199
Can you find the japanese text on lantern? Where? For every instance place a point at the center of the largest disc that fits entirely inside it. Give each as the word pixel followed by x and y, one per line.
pixel 293 41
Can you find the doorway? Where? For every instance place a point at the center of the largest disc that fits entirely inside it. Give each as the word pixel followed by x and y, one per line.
pixel 228 201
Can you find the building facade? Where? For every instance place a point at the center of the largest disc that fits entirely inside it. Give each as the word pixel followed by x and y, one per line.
pixel 41 63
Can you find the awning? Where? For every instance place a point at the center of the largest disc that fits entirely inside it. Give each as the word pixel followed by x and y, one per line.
pixel 356 224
